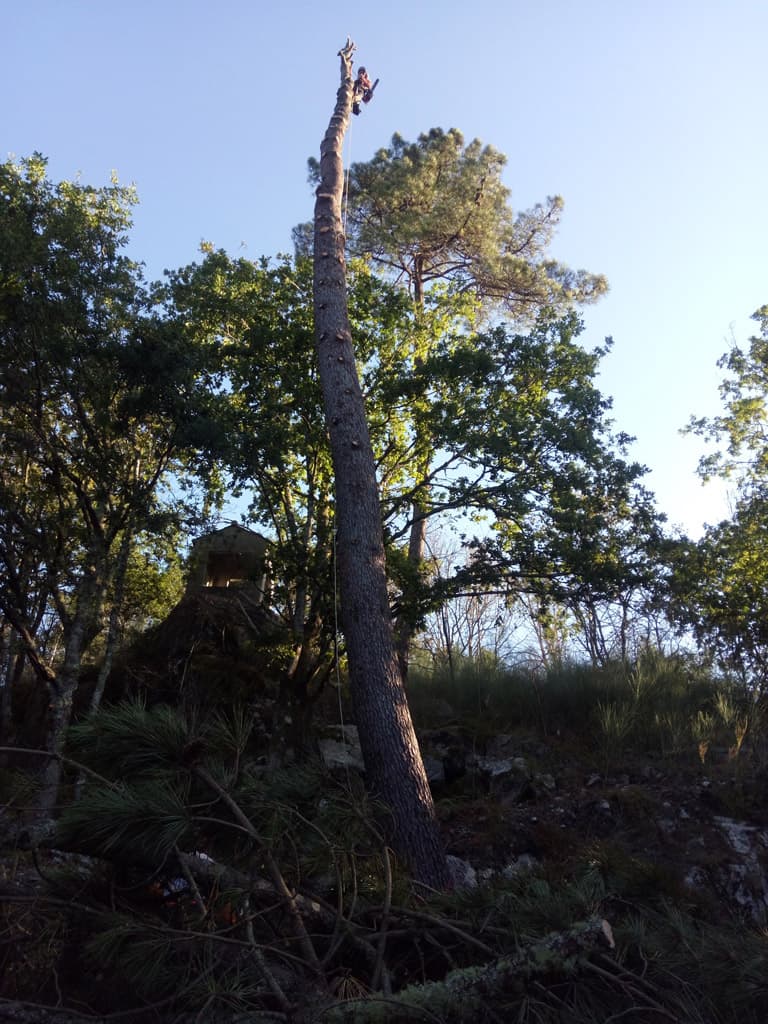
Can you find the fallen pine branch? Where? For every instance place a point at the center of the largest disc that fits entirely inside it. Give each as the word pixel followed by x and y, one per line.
pixel 469 992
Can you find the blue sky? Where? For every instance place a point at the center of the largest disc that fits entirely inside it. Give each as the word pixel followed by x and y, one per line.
pixel 647 117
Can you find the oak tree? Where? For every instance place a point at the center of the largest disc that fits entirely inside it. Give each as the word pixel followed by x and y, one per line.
pixel 96 392
pixel 719 584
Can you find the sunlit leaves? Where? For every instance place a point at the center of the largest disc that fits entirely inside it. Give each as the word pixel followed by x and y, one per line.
pixel 742 430
pixel 718 589
pixel 99 396
pixel 719 586
pixel 437 210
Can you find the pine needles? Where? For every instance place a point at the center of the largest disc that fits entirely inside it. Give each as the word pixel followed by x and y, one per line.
pixel 223 888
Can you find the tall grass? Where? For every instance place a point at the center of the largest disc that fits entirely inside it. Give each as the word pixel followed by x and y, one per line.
pixel 660 705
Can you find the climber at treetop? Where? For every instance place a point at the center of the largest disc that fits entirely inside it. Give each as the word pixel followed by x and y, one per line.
pixel 363 89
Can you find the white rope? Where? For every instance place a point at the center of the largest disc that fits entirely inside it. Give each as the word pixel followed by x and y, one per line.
pixel 336 619
pixel 336 651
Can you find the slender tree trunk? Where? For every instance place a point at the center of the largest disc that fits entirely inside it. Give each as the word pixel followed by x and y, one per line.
pixel 417 540
pixel 417 546
pixel 394 767
pixel 63 688
pixel 113 632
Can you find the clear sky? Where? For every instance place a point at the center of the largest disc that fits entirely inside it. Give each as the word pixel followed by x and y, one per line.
pixel 647 116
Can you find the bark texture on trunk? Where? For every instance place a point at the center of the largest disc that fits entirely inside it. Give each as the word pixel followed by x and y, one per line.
pixel 393 762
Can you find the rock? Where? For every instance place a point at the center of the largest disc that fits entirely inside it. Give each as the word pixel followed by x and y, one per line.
pixel 336 754
pixel 505 777
pixel 696 878
pixel 494 767
pixel 498 767
pixel 454 763
pixel 434 769
pixel 447 746
pixel 744 877
pixel 501 746
pixel 340 747
pixel 543 780
pixel 525 862
pixel 463 875
pixel 438 739
pixel 597 817
pixel 344 733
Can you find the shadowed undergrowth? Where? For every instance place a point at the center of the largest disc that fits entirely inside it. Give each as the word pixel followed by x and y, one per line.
pixel 197 884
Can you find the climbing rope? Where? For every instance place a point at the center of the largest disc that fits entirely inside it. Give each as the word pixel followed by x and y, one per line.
pixel 336 652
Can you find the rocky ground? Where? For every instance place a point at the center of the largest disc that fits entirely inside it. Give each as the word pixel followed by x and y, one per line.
pixel 513 803
pixel 689 829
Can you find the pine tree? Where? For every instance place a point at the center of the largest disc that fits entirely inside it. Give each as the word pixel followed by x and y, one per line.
pixel 393 762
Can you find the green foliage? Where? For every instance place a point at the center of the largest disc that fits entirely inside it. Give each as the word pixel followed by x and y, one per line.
pixel 274 442
pixel 319 828
pixel 499 420
pixel 132 740
pixel 226 880
pixel 742 427
pixel 437 209
pixel 140 809
pixel 508 429
pixel 147 796
pixel 573 524
pixel 138 950
pixel 155 812
pixel 193 787
pixel 145 821
pixel 17 790
pixel 719 967
pixel 99 396
pixel 154 580
pixel 615 724
pixel 717 586
pixel 659 705
pixel 501 426
pixel 669 964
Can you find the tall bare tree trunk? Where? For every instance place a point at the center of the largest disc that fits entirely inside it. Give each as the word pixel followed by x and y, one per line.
pixel 394 767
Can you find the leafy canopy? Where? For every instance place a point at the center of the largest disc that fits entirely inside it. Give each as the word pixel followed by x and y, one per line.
pixel 100 395
pixel 437 209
